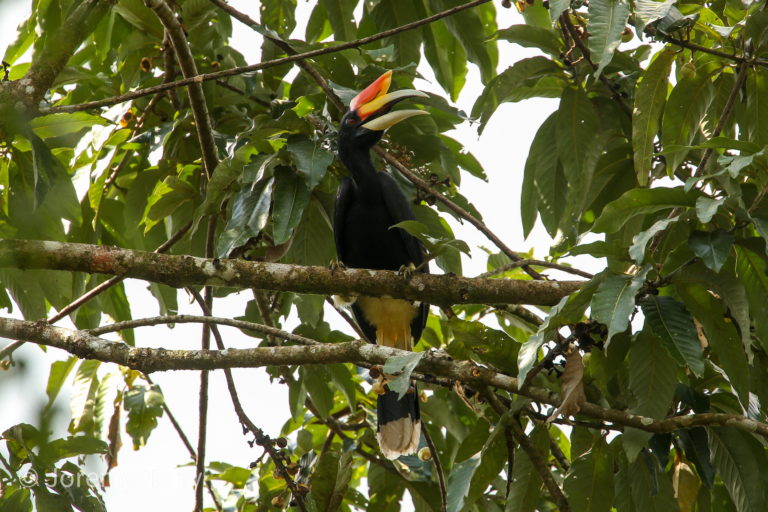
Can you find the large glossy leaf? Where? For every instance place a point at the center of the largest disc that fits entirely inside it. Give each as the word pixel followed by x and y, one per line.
pixel 650 97
pixel 577 125
pixel 249 216
pixel 56 125
pixel 447 58
pixel 144 405
pixel 291 197
pixel 713 247
pixel 311 160
pixel 521 80
pixel 589 482
pixel 531 36
pixel 757 106
pixel 473 28
pixel 526 485
pixel 686 106
pixel 614 301
pixel 673 325
pixel 607 19
pixel 640 202
pixel 544 180
pixel 721 336
pixel 741 462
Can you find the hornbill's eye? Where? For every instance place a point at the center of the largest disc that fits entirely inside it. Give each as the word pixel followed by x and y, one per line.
pixel 350 121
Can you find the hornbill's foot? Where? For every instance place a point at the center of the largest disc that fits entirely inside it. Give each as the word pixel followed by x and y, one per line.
pixel 336 265
pixel 407 271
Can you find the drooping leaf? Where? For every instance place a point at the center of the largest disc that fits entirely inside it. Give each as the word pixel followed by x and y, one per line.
pixel 144 405
pixel 614 301
pixel 311 160
pixel 291 197
pixel 607 19
pixel 687 104
pixel 741 463
pixel 589 482
pixel 713 247
pixel 249 216
pixel 402 366
pixel 673 325
pixel 650 97
pixel 530 36
pixel 639 202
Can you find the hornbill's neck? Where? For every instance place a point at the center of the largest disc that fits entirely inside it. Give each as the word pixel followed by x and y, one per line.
pixel 358 161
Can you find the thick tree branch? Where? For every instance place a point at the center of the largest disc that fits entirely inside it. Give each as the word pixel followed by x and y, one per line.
pixel 180 271
pixel 57 51
pixel 263 65
pixel 95 291
pixel 86 346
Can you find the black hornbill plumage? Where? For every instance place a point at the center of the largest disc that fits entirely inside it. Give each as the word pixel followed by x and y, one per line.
pixel 367 204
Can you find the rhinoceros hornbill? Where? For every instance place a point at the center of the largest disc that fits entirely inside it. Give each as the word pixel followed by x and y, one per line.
pixel 368 204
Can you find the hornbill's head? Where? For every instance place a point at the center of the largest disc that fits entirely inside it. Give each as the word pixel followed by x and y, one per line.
pixel 370 114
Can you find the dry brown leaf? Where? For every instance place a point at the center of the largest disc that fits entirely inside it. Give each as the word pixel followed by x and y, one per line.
pixel 686 485
pixel 700 333
pixel 572 386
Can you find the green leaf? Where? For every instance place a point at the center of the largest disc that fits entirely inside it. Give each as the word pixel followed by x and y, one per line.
pixel 473 27
pixel 556 8
pixel 250 212
pixel 650 97
pixel 311 160
pixel 404 363
pixel 721 336
pixel 71 446
pixel 476 341
pixel 607 19
pixel 83 398
pixel 525 491
pixel 544 175
pixel 59 372
pixel 640 240
pixel 339 13
pixel 144 405
pixel 518 82
pixel 576 129
pixel 459 481
pixel 291 197
pixel 687 104
pixel 493 458
pixel 641 201
pixel 330 479
pixel 317 380
pixel 741 463
pixel 713 247
pixel 313 239
pixel 706 208
pixel 56 125
pixel 614 301
pixel 530 36
pixel 447 58
pixel 589 482
pixel 752 272
pixel 167 196
pixel 647 11
pixel 673 325
pixel 757 106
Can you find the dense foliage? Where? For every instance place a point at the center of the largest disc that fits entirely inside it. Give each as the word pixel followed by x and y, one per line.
pixel 655 156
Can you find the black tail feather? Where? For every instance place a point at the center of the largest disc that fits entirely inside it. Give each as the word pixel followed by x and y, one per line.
pixel 399 423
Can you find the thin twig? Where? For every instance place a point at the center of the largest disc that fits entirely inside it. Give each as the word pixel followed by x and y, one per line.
pixel 538 263
pixel 261 438
pixel 347 318
pixel 438 468
pixel 727 109
pixel 262 65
